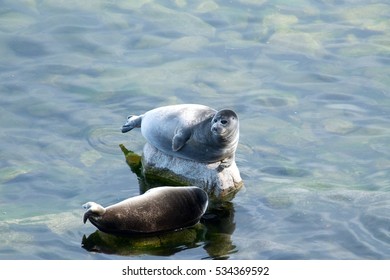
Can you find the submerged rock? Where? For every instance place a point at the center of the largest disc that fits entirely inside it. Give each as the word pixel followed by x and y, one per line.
pixel 338 126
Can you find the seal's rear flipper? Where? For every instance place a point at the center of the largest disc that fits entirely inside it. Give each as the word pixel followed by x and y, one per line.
pixel 93 209
pixel 132 122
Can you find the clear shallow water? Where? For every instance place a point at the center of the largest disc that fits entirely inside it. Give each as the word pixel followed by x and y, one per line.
pixel 310 82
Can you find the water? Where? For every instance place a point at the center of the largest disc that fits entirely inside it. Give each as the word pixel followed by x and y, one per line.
pixel 309 81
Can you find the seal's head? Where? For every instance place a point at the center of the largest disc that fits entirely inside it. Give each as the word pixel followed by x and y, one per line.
pixel 225 124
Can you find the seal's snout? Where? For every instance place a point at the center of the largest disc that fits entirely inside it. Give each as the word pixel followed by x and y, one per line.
pixel 217 129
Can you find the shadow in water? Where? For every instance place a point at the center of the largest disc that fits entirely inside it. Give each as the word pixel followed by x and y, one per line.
pixel 213 232
pixel 164 244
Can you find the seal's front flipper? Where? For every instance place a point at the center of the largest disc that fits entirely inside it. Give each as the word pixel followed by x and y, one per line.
pixel 179 139
pixel 225 163
pixel 132 122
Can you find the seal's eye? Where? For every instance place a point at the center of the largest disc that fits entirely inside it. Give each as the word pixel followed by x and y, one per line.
pixel 223 121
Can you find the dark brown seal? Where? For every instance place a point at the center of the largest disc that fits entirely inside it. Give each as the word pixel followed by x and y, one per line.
pixel 157 210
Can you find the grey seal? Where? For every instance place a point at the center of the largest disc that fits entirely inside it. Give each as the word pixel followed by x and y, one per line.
pixel 157 210
pixel 190 131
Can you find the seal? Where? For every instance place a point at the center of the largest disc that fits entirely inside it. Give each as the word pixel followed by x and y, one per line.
pixel 159 209
pixel 190 131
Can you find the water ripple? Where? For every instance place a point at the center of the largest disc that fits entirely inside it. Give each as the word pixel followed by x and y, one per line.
pixel 107 139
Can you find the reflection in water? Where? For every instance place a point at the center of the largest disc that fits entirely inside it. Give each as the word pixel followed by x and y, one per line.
pixel 165 244
pixel 220 225
pixel 214 230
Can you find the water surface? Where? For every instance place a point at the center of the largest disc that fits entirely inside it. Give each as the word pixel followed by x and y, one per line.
pixel 309 80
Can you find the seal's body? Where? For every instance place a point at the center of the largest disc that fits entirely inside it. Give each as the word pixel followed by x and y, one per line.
pixel 190 131
pixel 157 210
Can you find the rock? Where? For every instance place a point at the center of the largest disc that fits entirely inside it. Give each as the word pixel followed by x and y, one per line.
pixel 158 166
